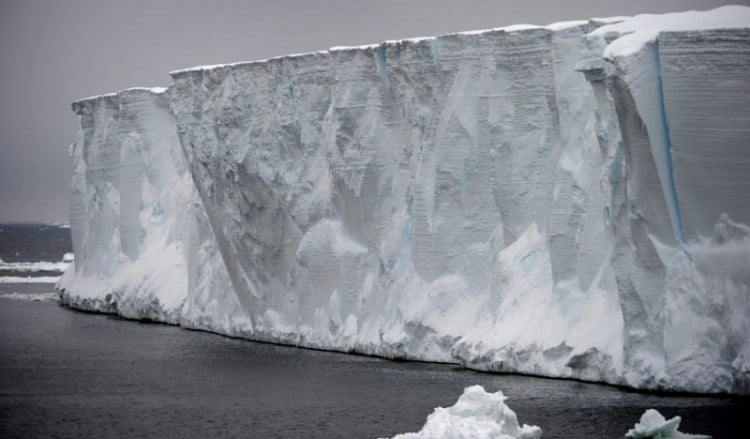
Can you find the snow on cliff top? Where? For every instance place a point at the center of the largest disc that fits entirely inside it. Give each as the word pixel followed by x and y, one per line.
pixel 631 34
pixel 154 90
pixel 512 28
pixel 628 33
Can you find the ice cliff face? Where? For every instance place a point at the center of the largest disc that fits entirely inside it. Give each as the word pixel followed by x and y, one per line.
pixel 678 184
pixel 568 200
pixel 143 243
pixel 417 199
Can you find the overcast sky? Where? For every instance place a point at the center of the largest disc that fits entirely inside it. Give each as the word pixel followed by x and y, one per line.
pixel 55 51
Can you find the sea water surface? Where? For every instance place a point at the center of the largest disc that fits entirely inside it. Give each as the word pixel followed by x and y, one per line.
pixel 65 373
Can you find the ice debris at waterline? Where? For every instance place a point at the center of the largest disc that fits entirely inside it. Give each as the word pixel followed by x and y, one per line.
pixel 477 414
pixel 654 426
pixel 568 200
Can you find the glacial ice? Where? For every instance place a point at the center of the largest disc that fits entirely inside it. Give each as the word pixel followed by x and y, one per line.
pixel 143 246
pixel 567 200
pixel 477 414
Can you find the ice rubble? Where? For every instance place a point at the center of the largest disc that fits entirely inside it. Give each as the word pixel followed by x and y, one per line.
pixel 522 199
pixel 477 414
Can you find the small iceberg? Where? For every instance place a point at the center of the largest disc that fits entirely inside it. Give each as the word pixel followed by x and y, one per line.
pixel 477 414
pixel 654 426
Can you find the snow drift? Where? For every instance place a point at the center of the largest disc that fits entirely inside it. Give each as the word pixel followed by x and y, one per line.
pixel 569 200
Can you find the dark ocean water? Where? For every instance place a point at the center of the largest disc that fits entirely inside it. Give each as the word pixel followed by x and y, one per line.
pixel 33 242
pixel 70 374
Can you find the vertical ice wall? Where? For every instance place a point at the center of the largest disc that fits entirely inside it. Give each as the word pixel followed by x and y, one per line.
pixel 705 90
pixel 470 198
pixel 94 203
pixel 676 87
pixel 434 198
pixel 145 248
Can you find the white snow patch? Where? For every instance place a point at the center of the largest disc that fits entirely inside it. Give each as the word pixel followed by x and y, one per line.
pixel 635 32
pixel 560 25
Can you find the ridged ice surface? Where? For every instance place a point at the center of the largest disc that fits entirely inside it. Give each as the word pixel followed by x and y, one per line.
pixel 432 199
pixel 679 221
pixel 569 200
pixel 144 247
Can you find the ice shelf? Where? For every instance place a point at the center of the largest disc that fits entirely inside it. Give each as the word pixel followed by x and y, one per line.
pixel 568 200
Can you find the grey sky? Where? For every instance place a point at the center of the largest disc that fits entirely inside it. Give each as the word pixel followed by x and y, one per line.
pixel 55 51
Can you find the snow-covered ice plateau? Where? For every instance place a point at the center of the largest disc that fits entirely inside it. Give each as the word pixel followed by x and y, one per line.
pixel 568 200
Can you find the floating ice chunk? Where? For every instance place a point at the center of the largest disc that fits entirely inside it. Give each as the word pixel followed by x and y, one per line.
pixel 654 425
pixel 476 414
